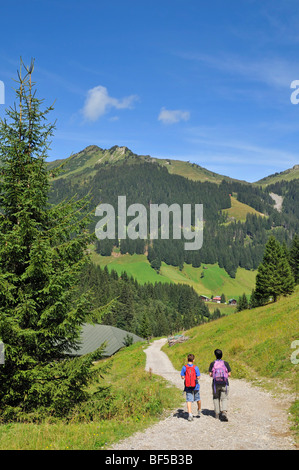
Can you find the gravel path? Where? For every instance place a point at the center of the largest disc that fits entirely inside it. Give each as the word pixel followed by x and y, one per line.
pixel 256 420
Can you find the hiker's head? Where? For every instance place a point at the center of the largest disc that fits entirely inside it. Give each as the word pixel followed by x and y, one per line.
pixel 191 357
pixel 218 353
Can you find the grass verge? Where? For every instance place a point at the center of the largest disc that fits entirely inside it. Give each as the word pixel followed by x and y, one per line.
pixel 136 399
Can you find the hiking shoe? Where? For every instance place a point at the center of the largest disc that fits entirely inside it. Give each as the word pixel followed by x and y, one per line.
pixel 217 415
pixel 190 418
pixel 224 416
pixel 199 413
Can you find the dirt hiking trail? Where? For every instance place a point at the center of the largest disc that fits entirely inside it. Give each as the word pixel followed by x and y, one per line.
pixel 256 421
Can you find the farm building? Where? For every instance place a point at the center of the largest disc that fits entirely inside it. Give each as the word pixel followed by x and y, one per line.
pixel 232 302
pixel 93 336
pixel 217 299
pixel 204 298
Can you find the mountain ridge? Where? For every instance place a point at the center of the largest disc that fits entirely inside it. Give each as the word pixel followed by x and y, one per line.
pixel 286 175
pixel 92 155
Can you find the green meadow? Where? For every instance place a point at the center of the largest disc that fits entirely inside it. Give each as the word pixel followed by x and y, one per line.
pixel 208 279
pixel 239 210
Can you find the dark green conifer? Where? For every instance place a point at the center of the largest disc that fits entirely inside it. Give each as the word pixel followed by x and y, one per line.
pixel 274 277
pixel 42 253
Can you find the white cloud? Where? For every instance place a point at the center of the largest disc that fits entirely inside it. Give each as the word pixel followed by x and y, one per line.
pixel 98 103
pixel 172 116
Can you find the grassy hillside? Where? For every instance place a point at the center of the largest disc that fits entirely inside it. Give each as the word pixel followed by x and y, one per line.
pixel 193 171
pixel 256 343
pixel 287 175
pixel 239 210
pixel 134 265
pixel 207 279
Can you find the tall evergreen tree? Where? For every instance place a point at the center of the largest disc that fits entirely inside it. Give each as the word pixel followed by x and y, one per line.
pixel 274 277
pixel 161 323
pixel 145 329
pixel 125 313
pixel 242 303
pixel 42 253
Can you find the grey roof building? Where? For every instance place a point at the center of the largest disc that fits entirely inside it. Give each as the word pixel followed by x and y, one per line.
pixel 93 336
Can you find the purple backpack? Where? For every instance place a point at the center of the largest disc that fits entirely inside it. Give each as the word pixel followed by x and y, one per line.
pixel 220 373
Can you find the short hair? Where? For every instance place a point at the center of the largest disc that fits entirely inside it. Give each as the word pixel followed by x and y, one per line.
pixel 218 353
pixel 191 357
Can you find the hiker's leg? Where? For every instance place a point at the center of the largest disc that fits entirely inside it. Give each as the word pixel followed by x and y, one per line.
pixel 224 398
pixel 216 399
pixel 197 399
pixel 189 400
pixel 189 408
pixel 199 408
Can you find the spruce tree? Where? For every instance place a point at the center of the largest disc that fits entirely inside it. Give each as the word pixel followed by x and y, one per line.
pixel 242 303
pixel 42 253
pixel 274 277
pixel 145 329
pixel 254 301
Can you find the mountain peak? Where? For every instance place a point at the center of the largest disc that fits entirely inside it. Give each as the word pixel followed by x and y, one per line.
pixel 120 151
pixel 91 148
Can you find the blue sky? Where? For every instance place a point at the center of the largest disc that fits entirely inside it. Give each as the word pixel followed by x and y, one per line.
pixel 207 82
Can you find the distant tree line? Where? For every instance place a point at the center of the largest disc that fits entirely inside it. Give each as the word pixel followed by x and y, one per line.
pixel 146 310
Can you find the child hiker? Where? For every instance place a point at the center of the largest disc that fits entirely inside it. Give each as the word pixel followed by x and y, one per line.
pixel 220 371
pixel 191 374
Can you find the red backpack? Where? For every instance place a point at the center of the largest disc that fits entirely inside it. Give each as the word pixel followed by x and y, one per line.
pixel 190 376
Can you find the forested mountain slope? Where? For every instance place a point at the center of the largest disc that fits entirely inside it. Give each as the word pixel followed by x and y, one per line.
pixel 232 243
